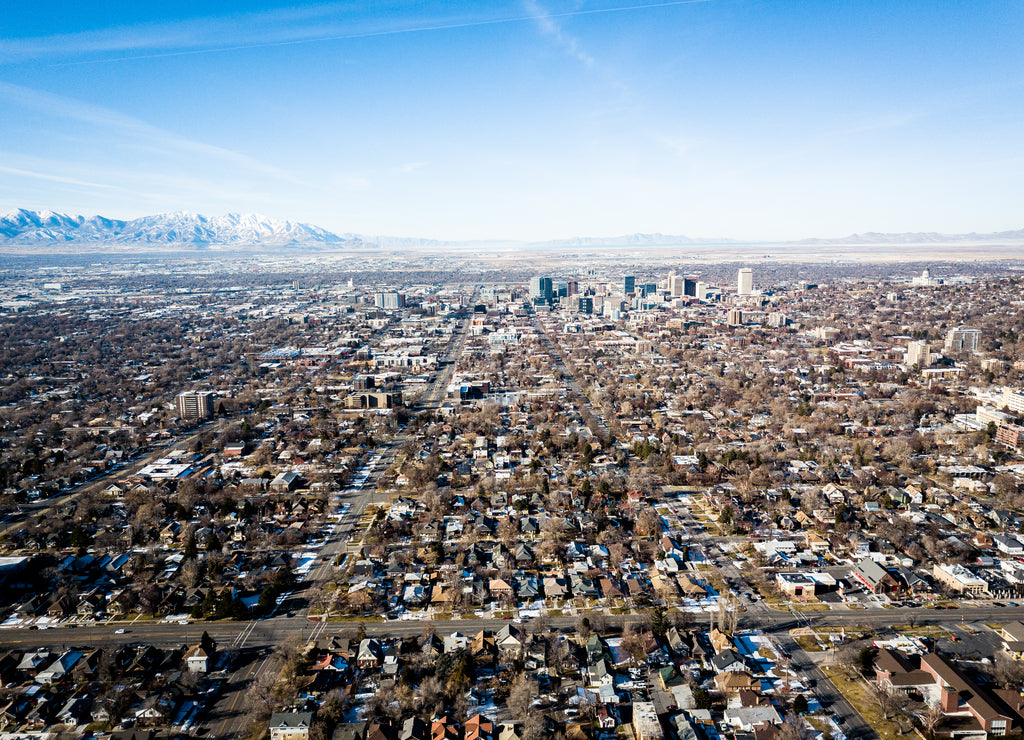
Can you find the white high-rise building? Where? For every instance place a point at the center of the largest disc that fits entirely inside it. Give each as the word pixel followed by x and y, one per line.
pixel 918 353
pixel 389 300
pixel 675 285
pixel 195 404
pixel 1013 400
pixel 962 340
pixel 745 281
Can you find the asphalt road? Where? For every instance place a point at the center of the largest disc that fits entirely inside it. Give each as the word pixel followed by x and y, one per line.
pixel 570 380
pixel 432 397
pixel 271 632
pixel 850 720
pixel 227 717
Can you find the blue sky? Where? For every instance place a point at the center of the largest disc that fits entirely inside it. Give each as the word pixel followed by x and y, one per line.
pixel 522 119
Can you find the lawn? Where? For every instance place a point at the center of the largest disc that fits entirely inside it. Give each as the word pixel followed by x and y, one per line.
pixel 921 630
pixel 820 725
pixel 857 694
pixel 810 606
pixel 808 643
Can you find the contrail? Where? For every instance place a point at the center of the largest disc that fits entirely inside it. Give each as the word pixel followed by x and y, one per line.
pixel 392 32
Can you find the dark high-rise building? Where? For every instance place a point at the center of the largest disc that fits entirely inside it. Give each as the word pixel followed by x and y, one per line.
pixel 541 290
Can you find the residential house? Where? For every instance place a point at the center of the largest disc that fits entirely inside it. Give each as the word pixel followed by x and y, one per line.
pixel 478 727
pixel 728 660
pixel 369 655
pixel 730 682
pixel 290 725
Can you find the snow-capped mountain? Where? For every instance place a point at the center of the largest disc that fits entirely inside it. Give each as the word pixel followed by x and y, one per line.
pixel 188 230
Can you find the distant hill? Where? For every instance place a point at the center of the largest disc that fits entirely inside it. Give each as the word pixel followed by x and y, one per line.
pixel 631 240
pixel 170 230
pixel 922 237
pixel 46 231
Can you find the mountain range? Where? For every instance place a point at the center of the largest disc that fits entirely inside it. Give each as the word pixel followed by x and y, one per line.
pixel 25 230
pixel 189 230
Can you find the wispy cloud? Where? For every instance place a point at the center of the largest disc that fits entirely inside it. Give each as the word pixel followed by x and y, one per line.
pixel 551 28
pixel 57 178
pixel 139 185
pixel 281 27
pixel 138 132
pixel 205 33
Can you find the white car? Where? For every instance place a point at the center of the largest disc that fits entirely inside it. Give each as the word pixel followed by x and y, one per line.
pixel 120 631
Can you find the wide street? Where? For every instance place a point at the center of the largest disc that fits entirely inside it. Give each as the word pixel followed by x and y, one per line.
pixel 273 631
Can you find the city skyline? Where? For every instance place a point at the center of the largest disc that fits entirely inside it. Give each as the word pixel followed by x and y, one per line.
pixel 528 120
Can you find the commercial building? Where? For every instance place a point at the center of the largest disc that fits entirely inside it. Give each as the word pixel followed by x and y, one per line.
pixel 645 721
pixel 745 281
pixel 541 290
pixel 918 353
pixel 195 404
pixel 1011 435
pixel 962 340
pixel 874 577
pixel 372 400
pixel 1013 401
pixel 968 709
pixel 389 300
pixel 989 414
pixel 628 284
pixel 958 578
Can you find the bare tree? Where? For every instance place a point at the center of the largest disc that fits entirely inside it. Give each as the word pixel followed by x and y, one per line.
pixel 888 701
pixel 931 717
pixel 524 691
pixel 259 699
pixel 794 728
